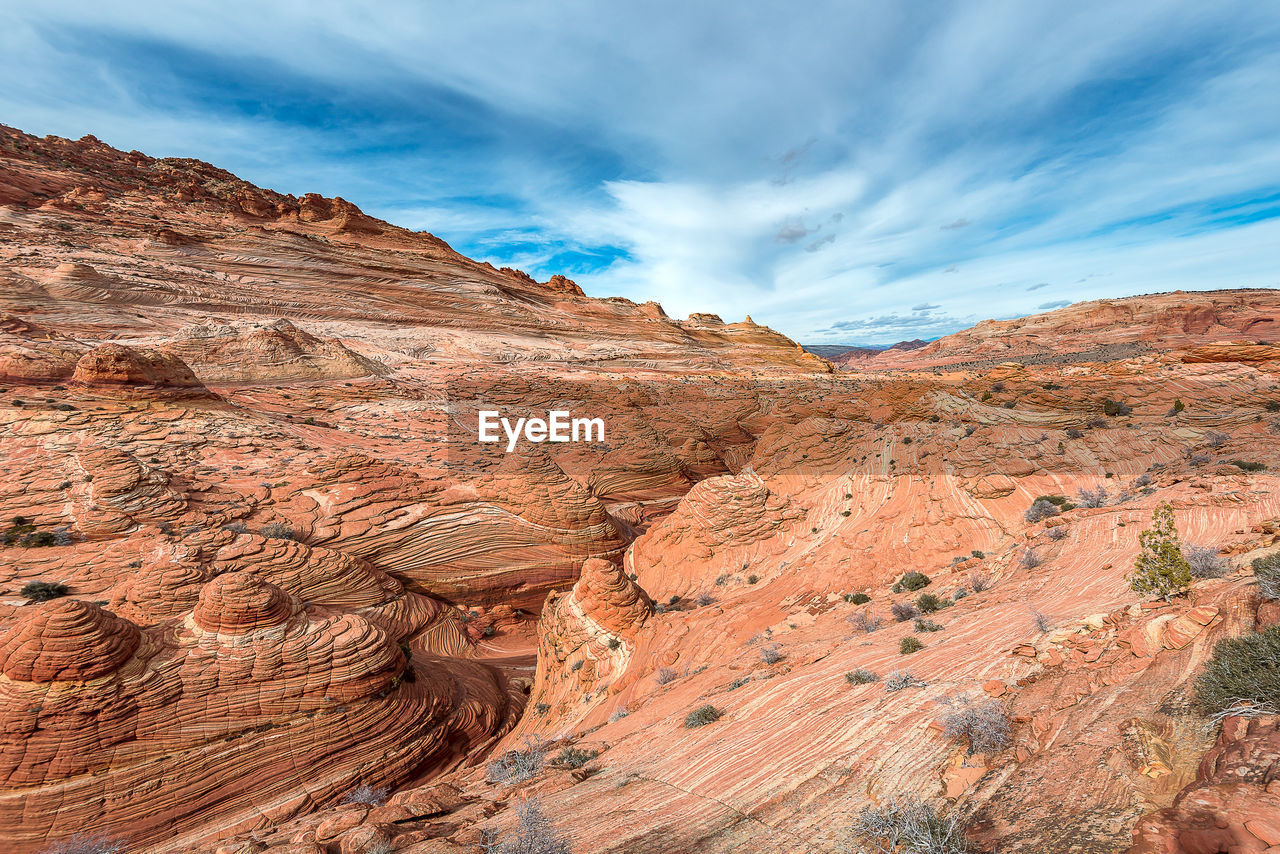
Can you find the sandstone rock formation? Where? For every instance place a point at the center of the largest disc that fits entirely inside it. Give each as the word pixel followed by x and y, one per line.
pixel 238 429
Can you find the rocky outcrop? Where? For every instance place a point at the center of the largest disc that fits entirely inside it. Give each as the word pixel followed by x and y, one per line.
pixel 115 365
pixel 144 735
pixel 1234 802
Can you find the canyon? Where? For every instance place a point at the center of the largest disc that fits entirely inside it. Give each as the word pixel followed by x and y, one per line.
pixel 302 610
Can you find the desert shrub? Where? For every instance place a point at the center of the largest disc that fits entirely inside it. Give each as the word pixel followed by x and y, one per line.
pixel 1247 465
pixel 1097 422
pixel 39 539
pixel 516 766
pixel 574 757
pixel 857 598
pixel 899 679
pixel 702 716
pixel 1030 559
pixel 618 714
pixel 1113 408
pixel 1198 459
pixel 771 654
pixel 1160 568
pixel 928 603
pixel 665 676
pixel 534 834
pixel 1093 497
pixel 81 844
pixel 542 708
pixel 722 580
pixel 366 794
pixel 979 581
pixel 1205 562
pixel 43 591
pixel 958 594
pixel 1040 510
pixel 1216 439
pixel 738 683
pixel 705 599
pixel 1177 407
pixel 1040 620
pixel 865 622
pixel 983 723
pixel 1073 433
pixel 1243 671
pixel 1058 532
pixel 903 611
pixel 1267 571
pixel 1141 480
pixel 912 581
pixel 923 625
pixel 279 530
pixel 575 667
pixel 753 578
pixel 909 644
pixel 978 553
pixel 236 527
pixel 861 676
pixel 614 643
pixel 906 825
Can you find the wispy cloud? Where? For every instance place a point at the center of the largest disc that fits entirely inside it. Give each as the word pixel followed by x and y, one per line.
pixel 798 168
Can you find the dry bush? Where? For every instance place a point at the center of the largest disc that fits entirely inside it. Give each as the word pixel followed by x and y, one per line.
pixel 1267 570
pixel 1215 439
pixel 1205 562
pixel 80 844
pixel 665 676
pixel 1040 510
pixel 983 723
pixel 534 834
pixel 864 622
pixel 900 679
pixel 1030 560
pixel 979 581
pixel 366 794
pixel 771 654
pixel 279 531
pixel 1093 497
pixel 516 766
pixel 1040 620
pixel 903 611
pixel 906 825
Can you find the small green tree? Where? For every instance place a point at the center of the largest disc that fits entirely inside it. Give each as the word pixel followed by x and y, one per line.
pixel 1161 568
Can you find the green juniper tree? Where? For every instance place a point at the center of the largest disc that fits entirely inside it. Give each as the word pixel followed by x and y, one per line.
pixel 1161 568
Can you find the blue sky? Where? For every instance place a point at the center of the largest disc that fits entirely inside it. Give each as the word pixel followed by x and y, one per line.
pixel 842 171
